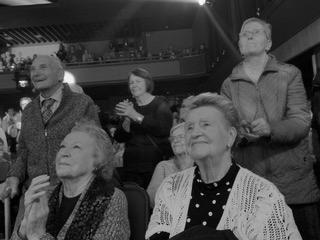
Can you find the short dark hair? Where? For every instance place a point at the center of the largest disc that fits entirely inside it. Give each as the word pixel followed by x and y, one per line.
pixel 144 74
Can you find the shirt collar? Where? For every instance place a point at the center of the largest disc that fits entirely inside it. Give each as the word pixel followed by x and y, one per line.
pixel 238 72
pixel 57 96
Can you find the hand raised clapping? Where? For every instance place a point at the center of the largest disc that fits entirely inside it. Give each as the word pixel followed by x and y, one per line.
pixel 125 109
pixel 33 225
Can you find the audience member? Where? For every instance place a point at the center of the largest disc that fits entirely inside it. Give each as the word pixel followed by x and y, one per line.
pixel 45 122
pixel 9 126
pixel 3 138
pixel 86 204
pixel 184 107
pixel 218 199
pixel 4 156
pixel 179 162
pixel 271 101
pixel 145 128
pixel 24 101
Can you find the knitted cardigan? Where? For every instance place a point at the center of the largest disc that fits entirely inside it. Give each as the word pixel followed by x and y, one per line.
pixel 255 208
pixel 39 144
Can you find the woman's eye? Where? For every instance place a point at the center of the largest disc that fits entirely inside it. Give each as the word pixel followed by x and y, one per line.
pixel 76 147
pixel 61 146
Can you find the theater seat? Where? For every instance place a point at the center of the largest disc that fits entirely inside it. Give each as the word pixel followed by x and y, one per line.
pixel 138 210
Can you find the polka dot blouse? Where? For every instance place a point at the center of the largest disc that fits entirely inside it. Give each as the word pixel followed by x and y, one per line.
pixel 208 200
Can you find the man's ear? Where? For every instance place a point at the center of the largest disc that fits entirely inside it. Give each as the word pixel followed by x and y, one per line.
pixel 60 75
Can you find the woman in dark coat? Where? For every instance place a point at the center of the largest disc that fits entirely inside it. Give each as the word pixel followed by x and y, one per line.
pixel 145 128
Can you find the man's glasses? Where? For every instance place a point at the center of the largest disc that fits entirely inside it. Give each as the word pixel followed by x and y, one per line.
pixel 254 33
pixel 176 138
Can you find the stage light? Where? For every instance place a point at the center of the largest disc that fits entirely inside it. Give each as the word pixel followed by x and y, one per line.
pixel 69 78
pixel 201 2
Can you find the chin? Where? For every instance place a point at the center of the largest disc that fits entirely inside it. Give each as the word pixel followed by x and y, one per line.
pixel 196 155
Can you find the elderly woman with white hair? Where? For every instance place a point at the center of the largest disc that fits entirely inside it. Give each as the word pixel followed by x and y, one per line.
pixel 85 205
pixel 218 199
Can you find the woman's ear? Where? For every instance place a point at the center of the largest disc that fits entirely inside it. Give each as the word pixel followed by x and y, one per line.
pixel 269 45
pixel 232 136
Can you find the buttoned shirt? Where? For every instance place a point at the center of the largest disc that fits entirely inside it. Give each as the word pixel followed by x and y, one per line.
pixel 57 96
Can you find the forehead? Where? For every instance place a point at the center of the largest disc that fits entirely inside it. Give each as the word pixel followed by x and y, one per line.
pixel 252 25
pixel 135 78
pixel 205 113
pixel 42 60
pixel 79 137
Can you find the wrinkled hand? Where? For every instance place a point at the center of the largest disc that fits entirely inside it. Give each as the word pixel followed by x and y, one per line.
pixel 36 208
pixel 125 109
pixel 37 218
pixel 260 127
pixel 9 188
pixel 37 189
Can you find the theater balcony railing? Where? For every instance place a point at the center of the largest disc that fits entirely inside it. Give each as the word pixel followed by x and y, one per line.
pixel 116 70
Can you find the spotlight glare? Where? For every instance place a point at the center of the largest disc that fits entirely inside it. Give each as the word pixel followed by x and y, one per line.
pixel 201 2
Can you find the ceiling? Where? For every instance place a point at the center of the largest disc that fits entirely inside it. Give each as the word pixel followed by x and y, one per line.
pixel 93 20
pixel 76 21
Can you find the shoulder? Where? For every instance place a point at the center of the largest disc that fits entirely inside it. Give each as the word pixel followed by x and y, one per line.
pixel 165 163
pixel 81 98
pixel 31 107
pixel 160 100
pixel 174 182
pixel 261 186
pixel 286 68
pixel 118 197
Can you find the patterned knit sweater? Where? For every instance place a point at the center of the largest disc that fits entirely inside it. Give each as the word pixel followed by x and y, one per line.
pixel 255 208
pixel 39 144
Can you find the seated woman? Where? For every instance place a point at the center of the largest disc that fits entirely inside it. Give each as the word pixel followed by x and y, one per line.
pixel 222 199
pixel 179 162
pixel 85 205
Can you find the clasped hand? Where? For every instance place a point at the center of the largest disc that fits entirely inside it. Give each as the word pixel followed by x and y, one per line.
pixel 33 225
pixel 125 109
pixel 256 129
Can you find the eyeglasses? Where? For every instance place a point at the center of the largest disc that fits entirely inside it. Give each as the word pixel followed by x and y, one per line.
pixel 255 32
pixel 176 138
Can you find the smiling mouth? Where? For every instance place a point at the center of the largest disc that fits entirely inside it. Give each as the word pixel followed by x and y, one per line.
pixel 63 164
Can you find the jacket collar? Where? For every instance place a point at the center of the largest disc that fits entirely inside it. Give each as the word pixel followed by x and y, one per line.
pixel 238 72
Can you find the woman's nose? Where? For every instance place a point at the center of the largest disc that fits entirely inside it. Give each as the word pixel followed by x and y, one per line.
pixel 196 131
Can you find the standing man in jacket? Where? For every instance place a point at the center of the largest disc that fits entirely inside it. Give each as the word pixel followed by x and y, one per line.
pixel 271 102
pixel 45 123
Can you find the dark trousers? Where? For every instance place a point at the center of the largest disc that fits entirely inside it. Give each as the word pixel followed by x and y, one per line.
pixel 204 233
pixel 307 218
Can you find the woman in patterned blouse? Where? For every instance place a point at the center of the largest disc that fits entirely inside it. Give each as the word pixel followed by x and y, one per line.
pixel 217 199
pixel 86 205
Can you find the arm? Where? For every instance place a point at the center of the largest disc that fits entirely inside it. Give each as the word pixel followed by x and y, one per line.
pixel 162 216
pixel 296 123
pixel 115 224
pixel 225 89
pixel 156 180
pixel 120 135
pixel 160 123
pixel 19 167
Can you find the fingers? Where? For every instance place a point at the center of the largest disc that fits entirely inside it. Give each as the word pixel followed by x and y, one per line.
pixel 37 189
